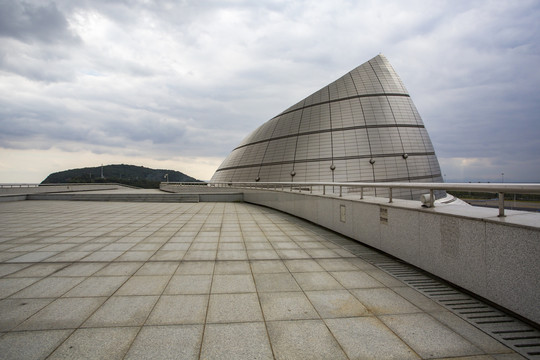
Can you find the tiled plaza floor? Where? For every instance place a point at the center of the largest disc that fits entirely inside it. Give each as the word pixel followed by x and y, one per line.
pixel 206 281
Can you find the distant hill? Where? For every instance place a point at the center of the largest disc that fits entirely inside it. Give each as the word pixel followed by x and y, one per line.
pixel 132 175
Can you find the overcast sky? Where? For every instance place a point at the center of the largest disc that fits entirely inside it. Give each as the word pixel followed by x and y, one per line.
pixel 178 84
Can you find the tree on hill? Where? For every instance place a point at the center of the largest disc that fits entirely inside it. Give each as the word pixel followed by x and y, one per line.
pixel 132 175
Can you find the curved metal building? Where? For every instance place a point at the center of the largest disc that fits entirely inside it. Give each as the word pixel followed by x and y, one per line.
pixel 363 127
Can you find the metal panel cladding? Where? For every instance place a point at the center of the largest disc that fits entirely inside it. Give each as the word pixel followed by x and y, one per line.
pixel 363 127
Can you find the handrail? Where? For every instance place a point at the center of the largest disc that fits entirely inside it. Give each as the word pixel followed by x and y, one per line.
pixel 498 188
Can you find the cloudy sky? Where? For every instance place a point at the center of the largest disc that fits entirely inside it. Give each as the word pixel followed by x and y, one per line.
pixel 178 84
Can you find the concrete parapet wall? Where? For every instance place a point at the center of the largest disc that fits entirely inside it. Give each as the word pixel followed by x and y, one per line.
pixel 56 188
pixel 495 258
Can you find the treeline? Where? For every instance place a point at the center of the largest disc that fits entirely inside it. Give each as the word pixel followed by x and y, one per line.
pixel 138 176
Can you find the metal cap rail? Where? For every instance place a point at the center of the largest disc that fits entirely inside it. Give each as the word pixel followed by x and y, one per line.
pixel 498 188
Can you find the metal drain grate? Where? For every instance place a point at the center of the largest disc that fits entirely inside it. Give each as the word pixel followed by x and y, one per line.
pixel 512 332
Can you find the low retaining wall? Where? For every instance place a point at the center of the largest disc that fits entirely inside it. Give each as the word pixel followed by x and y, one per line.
pixel 56 188
pixel 487 256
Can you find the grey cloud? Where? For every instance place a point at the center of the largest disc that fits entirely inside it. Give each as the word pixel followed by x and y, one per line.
pixel 170 78
pixel 34 22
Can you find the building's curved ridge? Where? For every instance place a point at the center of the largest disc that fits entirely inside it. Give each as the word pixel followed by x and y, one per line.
pixel 363 127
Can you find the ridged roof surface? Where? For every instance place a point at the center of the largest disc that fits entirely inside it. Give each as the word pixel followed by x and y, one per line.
pixel 363 127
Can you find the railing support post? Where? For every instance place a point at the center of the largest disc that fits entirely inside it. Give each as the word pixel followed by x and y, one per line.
pixel 361 192
pixel 431 198
pixel 390 189
pixel 340 190
pixel 311 189
pixel 501 205
pixel 324 189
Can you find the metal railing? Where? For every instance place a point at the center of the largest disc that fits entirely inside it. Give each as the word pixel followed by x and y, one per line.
pixel 499 189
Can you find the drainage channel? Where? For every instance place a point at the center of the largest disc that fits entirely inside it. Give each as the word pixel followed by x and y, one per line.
pixel 512 332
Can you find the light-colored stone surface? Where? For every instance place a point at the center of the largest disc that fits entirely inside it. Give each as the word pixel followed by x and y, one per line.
pixel 369 338
pixel 297 293
pixel 167 342
pixel 493 257
pixel 236 341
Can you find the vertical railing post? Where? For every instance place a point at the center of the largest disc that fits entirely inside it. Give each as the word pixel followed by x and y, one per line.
pixel 324 189
pixel 361 192
pixel 431 198
pixel 390 194
pixel 340 190
pixel 501 204
pixel 311 189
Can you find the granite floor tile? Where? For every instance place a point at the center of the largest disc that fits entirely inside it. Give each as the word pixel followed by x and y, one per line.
pixel 225 308
pixel 167 342
pixel 74 270
pixel 10 286
pixel 119 269
pixel 231 255
pixel 268 267
pixel 144 285
pixel 303 266
pixel 103 256
pixel 158 268
pixel 97 286
pixel 63 313
pixel 200 255
pixel 236 341
pixel 368 338
pixel 259 246
pixel 321 253
pixel 136 255
pixel 122 311
pixel 97 343
pixel 189 284
pixel 69 256
pixel 236 283
pixel 168 255
pixel 36 256
pixel 336 303
pixel 428 337
pixel 285 245
pixel 356 279
pixel 204 246
pixel 361 264
pixel 31 344
pixel 231 246
pixel 276 282
pixel 175 246
pixel 293 254
pixel 10 269
pixel 195 268
pixel 15 311
pixel 311 245
pixel 50 287
pixel 303 339
pixel 385 279
pixel 232 267
pixel 178 310
pixel 317 281
pixel 384 301
pixel 336 265
pixel 146 247
pixel 418 299
pixel 35 270
pixel 262 254
pixel 287 306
